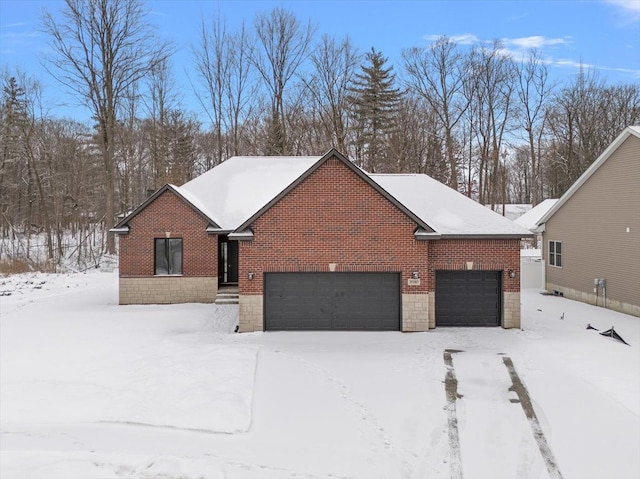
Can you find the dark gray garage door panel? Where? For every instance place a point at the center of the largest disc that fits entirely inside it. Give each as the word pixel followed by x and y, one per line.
pixel 468 298
pixel 332 301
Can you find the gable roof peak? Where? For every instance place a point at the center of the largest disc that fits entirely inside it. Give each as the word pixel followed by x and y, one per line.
pixel 185 196
pixel 632 130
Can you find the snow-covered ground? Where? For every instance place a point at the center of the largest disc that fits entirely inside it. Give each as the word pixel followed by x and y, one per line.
pixel 93 390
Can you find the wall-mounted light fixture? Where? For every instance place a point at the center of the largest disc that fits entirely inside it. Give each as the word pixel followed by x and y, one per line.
pixel 250 276
pixel 512 273
pixel 415 275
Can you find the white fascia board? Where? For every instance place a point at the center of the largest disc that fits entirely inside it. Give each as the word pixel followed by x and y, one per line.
pixel 123 230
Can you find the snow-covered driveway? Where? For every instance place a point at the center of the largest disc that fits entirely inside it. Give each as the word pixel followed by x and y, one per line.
pixel 89 389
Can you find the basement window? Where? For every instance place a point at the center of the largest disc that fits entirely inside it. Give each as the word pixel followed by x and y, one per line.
pixel 168 256
pixel 555 253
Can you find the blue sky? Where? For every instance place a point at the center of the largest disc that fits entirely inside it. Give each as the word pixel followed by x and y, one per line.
pixel 600 34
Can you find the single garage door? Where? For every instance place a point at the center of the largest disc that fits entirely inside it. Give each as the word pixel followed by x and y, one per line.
pixel 332 301
pixel 468 298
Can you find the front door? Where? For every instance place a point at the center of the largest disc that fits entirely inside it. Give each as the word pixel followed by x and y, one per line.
pixel 227 261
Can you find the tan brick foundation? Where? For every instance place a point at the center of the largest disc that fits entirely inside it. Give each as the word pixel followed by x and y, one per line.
pixel 168 290
pixel 511 310
pixel 415 312
pixel 251 313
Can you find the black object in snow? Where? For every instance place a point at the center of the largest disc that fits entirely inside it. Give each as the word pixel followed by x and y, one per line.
pixel 591 327
pixel 611 333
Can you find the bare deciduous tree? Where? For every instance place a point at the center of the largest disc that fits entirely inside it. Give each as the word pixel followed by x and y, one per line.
pixel 225 73
pixel 494 76
pixel 100 48
pixel 534 90
pixel 335 65
pixel 437 73
pixel 285 45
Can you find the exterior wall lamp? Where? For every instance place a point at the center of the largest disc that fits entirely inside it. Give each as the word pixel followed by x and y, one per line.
pixel 415 275
pixel 250 276
pixel 512 273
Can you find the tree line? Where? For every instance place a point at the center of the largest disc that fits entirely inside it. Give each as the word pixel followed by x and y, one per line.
pixel 492 126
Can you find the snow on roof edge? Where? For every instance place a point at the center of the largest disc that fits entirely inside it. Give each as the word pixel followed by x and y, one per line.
pixel 458 216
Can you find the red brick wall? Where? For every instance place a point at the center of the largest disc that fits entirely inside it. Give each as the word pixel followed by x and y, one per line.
pixel 168 213
pixel 486 254
pixel 333 216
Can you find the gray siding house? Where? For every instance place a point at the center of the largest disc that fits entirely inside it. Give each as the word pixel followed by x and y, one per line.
pixel 591 236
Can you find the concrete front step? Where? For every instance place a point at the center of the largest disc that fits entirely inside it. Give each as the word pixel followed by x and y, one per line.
pixel 227 297
pixel 226 301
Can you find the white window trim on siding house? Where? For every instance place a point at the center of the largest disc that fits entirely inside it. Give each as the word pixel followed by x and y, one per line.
pixel 555 257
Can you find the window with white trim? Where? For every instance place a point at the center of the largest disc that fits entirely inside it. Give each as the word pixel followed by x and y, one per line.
pixel 168 256
pixel 555 253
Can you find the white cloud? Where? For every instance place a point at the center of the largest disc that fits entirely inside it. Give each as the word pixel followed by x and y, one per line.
pixel 518 47
pixel 629 5
pixel 535 41
pixel 630 8
pixel 571 64
pixel 463 39
pixel 13 25
pixel 588 66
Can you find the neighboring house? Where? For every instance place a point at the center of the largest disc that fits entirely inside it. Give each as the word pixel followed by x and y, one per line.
pixel 317 243
pixel 591 236
pixel 531 264
pixel 530 221
pixel 511 211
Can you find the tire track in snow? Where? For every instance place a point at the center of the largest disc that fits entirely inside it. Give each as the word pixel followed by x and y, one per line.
pixel 451 389
pixel 525 401
pixel 492 419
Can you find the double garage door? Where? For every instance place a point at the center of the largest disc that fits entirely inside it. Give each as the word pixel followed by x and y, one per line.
pixel 371 301
pixel 332 301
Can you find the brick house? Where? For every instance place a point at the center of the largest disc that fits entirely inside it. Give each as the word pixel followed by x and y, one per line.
pixel 318 243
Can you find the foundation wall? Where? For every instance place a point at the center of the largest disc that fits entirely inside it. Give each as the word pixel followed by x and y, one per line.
pixel 167 290
pixel 591 298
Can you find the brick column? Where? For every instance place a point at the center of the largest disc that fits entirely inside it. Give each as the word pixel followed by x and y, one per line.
pixel 251 316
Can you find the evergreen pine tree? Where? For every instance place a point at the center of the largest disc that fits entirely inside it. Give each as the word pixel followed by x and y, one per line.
pixel 374 103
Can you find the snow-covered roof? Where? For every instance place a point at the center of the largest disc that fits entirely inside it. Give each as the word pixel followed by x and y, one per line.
pixel 530 219
pixel 242 185
pixel 233 194
pixel 448 212
pixel 626 133
pixel 195 202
